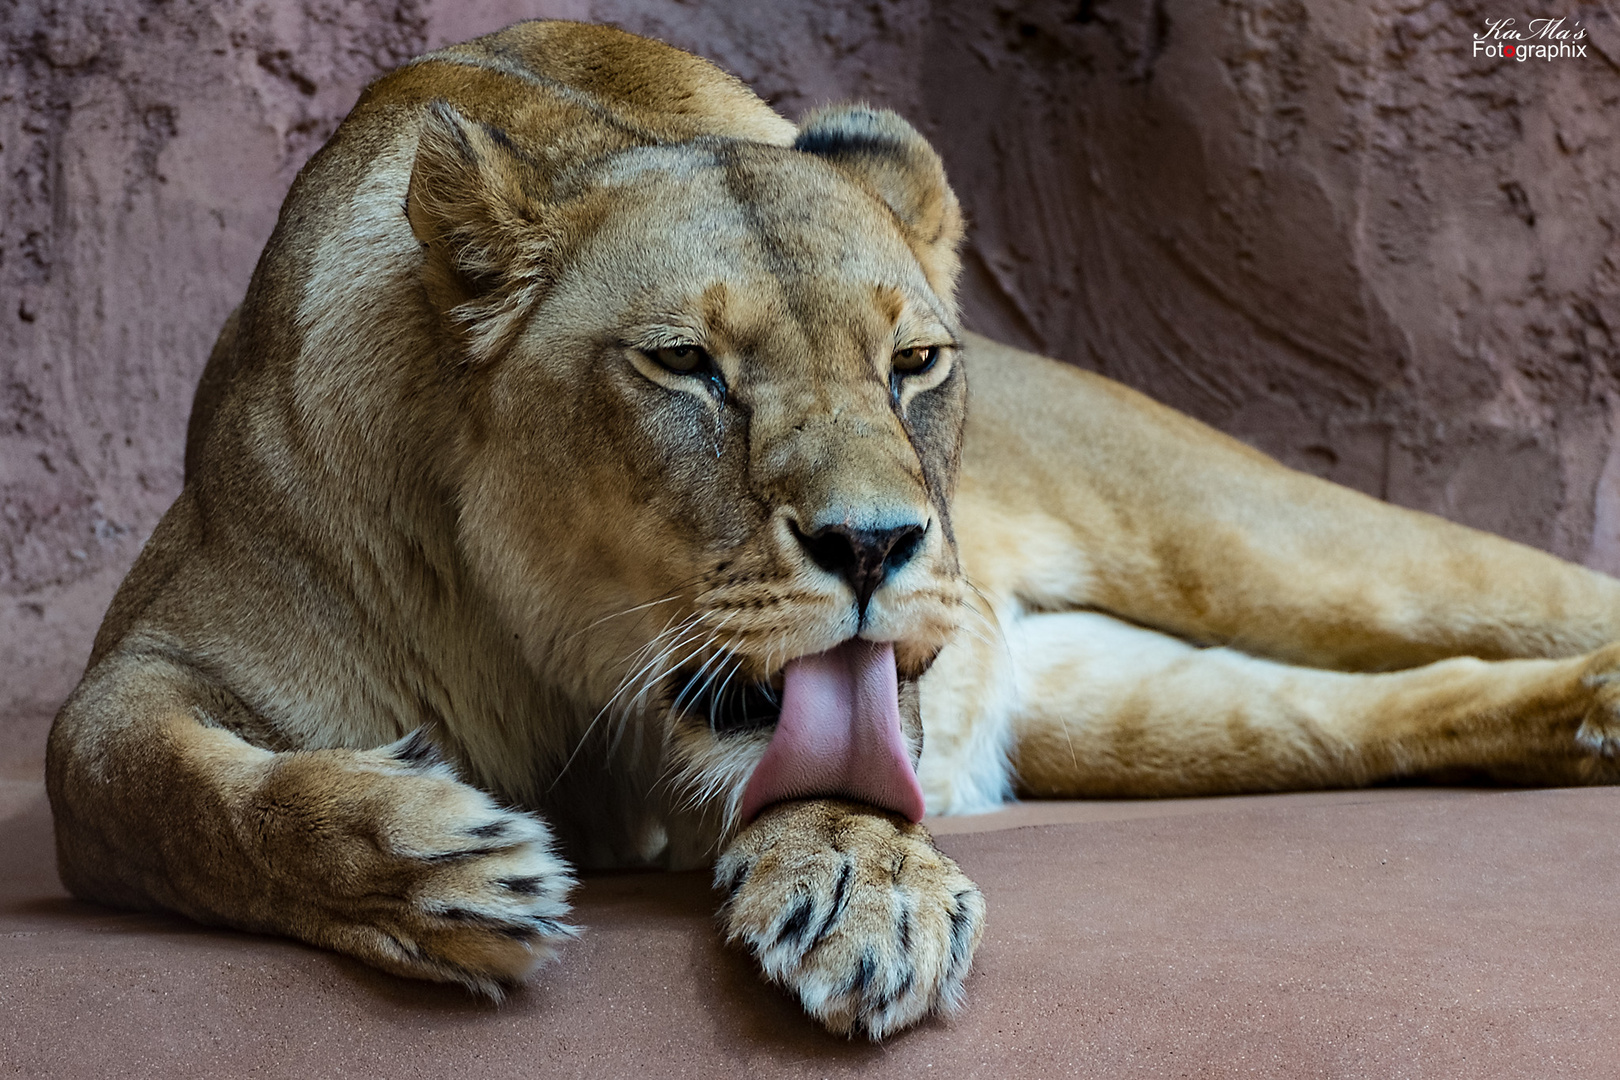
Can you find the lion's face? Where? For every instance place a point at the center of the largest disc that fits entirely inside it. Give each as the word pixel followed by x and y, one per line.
pixel 723 436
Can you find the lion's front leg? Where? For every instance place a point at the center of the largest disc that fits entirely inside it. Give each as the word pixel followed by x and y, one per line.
pixel 381 854
pixel 852 909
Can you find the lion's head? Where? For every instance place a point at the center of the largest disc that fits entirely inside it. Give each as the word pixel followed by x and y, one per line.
pixel 691 383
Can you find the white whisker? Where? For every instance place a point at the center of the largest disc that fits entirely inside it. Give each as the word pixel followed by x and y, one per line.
pixel 720 694
pixel 624 684
pixel 617 615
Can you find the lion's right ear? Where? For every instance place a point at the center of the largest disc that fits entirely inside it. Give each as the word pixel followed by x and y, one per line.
pixel 889 155
pixel 475 205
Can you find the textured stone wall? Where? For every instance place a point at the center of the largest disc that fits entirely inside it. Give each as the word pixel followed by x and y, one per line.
pixel 1323 226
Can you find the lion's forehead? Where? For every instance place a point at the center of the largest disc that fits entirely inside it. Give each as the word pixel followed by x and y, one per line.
pixel 716 212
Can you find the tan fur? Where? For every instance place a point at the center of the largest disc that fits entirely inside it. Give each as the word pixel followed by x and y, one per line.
pixel 459 558
pixel 1168 612
pixel 807 882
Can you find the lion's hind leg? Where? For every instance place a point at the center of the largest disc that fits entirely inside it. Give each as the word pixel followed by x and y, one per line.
pixel 1094 707
pixel 381 854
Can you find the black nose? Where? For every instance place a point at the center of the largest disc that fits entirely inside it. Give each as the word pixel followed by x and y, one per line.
pixel 862 557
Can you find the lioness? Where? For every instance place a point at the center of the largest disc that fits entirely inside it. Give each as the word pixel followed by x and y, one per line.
pixel 592 465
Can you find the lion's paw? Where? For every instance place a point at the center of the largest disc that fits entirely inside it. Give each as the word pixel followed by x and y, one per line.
pixel 854 910
pixel 385 855
pixel 1599 732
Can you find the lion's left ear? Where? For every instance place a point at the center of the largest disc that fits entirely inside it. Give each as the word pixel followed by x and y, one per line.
pixel 881 149
pixel 486 233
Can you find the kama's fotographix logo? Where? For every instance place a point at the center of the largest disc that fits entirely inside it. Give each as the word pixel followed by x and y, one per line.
pixel 1541 39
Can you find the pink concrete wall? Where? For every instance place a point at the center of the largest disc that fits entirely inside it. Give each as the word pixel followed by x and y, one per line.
pixel 1319 224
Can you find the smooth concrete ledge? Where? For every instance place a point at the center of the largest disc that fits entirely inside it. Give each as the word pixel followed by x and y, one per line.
pixel 1393 933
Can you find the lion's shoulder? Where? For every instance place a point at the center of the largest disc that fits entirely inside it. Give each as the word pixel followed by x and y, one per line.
pixel 543 77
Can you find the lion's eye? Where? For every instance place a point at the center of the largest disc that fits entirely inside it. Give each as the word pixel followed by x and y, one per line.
pixel 915 361
pixel 681 359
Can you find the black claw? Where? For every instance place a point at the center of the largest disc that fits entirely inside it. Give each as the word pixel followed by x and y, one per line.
pixel 489 830
pixel 861 981
pixel 905 931
pixel 418 750
pixel 961 930
pixel 464 853
pixel 905 985
pixel 478 918
pixel 523 886
pixel 736 880
pixel 839 902
pixel 797 921
pixel 517 931
pixel 883 1002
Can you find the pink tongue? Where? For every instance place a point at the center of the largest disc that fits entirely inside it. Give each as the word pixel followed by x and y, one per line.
pixel 839 735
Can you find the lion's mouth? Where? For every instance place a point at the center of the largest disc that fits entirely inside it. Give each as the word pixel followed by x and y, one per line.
pixel 837 734
pixel 726 705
